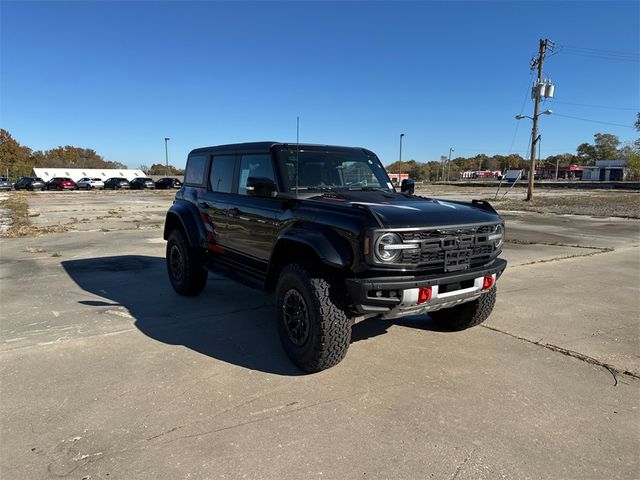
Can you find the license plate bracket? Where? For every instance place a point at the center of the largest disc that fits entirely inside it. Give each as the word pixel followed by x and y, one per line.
pixel 455 260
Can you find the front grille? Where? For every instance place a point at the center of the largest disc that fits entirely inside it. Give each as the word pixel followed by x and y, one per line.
pixel 435 243
pixel 445 232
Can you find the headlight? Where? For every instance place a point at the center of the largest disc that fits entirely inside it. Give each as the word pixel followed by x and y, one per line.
pixel 497 236
pixel 384 247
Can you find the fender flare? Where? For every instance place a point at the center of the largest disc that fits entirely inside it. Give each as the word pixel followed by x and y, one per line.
pixel 188 217
pixel 332 249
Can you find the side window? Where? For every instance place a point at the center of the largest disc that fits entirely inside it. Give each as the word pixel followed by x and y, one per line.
pixel 221 177
pixel 195 169
pixel 256 166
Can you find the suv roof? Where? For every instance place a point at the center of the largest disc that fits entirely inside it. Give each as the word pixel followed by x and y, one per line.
pixel 262 146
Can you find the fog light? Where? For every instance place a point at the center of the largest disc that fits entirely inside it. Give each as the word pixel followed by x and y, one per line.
pixel 488 282
pixel 424 294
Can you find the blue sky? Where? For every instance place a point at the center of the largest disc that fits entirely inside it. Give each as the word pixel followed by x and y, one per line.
pixel 120 76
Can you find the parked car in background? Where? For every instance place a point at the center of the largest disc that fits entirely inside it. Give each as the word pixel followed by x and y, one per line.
pixel 61 183
pixel 168 182
pixel 5 184
pixel 116 183
pixel 30 183
pixel 90 183
pixel 141 183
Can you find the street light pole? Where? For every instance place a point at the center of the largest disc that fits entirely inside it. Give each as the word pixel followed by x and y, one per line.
pixel 166 154
pixel 449 164
pixel 400 158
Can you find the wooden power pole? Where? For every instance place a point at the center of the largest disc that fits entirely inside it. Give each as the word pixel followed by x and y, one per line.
pixel 537 94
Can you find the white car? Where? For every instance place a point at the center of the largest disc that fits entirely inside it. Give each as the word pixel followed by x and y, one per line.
pixel 90 183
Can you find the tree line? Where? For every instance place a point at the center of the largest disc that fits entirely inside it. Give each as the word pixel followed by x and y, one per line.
pixel 605 146
pixel 17 160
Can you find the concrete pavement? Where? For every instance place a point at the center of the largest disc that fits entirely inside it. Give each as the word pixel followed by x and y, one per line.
pixel 106 373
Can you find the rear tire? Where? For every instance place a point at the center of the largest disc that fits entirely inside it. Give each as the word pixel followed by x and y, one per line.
pixel 468 314
pixel 313 326
pixel 184 266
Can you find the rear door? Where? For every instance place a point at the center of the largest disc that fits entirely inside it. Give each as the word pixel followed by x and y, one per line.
pixel 215 199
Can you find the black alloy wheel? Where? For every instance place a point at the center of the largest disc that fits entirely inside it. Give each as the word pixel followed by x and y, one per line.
pixel 296 317
pixel 184 265
pixel 311 319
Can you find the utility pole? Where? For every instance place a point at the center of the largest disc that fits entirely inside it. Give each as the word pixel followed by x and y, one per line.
pixel 537 62
pixel 400 159
pixel 449 164
pixel 443 164
pixel 166 154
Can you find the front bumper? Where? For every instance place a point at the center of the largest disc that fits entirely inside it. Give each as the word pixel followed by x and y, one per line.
pixel 399 295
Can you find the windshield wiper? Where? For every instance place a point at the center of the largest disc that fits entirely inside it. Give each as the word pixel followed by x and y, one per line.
pixel 369 189
pixel 312 189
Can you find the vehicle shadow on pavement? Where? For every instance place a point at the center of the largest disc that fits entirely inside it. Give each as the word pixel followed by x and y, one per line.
pixel 373 327
pixel 227 321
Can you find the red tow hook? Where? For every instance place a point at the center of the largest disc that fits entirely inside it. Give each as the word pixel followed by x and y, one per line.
pixel 488 282
pixel 424 294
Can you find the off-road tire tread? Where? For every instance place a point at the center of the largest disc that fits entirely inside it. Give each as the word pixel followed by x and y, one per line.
pixel 334 326
pixel 468 314
pixel 195 275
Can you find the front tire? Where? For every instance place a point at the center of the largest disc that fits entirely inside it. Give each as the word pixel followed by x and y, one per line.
pixel 468 314
pixel 313 326
pixel 186 271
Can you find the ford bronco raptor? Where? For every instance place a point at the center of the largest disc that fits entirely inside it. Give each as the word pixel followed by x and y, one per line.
pixel 324 228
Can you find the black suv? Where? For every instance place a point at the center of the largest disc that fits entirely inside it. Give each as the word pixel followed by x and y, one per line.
pixel 140 183
pixel 168 182
pixel 323 228
pixel 30 183
pixel 116 183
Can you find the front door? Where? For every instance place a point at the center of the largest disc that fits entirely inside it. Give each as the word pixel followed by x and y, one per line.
pixel 251 219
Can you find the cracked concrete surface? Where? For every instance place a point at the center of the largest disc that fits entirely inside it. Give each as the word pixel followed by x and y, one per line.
pixel 105 373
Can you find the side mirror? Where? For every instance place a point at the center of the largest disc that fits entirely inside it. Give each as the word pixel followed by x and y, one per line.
pixel 261 187
pixel 408 186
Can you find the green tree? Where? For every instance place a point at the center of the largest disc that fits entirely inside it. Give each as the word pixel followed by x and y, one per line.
pixel 605 147
pixel 14 158
pixel 160 169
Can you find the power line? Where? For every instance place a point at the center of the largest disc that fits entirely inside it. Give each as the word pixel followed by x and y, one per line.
pixel 599 50
pixel 600 56
pixel 594 106
pixel 592 121
pixel 524 101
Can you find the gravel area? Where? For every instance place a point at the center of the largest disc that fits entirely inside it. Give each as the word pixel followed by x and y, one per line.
pixel 595 203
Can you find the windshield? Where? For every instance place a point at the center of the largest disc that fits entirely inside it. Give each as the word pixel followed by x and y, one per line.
pixel 327 170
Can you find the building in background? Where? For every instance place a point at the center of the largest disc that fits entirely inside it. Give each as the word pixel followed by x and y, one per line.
pixel 396 178
pixel 606 171
pixel 76 174
pixel 548 172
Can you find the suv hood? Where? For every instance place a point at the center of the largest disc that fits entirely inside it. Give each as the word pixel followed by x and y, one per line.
pixel 396 210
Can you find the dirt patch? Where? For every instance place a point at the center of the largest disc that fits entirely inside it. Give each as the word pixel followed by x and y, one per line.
pixel 17 220
pixel 595 203
pixel 15 214
pixel 34 250
pixel 610 204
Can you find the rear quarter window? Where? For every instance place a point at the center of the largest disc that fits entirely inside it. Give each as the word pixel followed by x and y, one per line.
pixel 196 165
